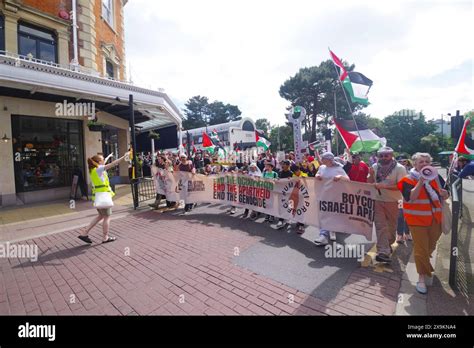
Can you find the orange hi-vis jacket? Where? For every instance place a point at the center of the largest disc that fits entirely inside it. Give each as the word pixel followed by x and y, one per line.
pixel 422 210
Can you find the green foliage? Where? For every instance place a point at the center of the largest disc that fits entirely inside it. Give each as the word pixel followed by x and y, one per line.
pixel 405 133
pixel 200 112
pixel 196 112
pixel 263 124
pixel 154 135
pixel 281 138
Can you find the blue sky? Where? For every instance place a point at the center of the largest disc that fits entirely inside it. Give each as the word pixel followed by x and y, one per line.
pixel 418 53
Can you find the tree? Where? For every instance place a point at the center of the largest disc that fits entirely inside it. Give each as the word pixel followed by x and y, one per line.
pixel 281 138
pixel 196 112
pixel 200 113
pixel 404 133
pixel 314 88
pixel 263 124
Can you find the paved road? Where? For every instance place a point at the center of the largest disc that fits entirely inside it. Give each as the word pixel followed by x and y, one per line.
pixel 166 264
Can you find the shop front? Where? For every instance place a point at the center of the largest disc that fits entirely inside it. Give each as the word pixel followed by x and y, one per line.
pixel 48 152
pixel 44 149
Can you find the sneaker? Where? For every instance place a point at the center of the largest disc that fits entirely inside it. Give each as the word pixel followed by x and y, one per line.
pixel 185 213
pixel 321 240
pixel 267 218
pixel 300 229
pixel 421 288
pixel 232 211
pixel 280 224
pixel 408 237
pixel 332 236
pixel 244 216
pixel 253 216
pixel 383 258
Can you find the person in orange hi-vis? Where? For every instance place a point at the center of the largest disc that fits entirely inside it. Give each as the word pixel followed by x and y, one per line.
pixel 422 210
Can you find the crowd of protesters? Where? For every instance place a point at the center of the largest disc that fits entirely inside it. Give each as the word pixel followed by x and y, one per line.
pixel 407 207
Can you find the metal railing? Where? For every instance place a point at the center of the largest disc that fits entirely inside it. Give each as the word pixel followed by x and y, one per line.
pixel 143 189
pixel 456 192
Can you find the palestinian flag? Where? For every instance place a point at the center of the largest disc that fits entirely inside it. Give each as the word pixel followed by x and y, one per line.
pixel 356 84
pixel 465 144
pixel 368 141
pixel 261 141
pixel 216 141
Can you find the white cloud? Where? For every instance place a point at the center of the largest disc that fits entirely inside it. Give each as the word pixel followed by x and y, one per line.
pixel 240 52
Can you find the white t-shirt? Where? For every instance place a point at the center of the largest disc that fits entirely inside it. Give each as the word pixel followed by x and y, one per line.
pixel 330 172
pixel 392 179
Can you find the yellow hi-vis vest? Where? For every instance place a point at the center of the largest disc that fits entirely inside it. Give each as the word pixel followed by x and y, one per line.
pixel 99 185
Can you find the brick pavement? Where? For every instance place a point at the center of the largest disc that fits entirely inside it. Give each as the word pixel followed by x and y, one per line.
pixel 163 264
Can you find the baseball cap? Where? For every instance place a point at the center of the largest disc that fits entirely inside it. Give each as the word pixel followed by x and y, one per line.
pixel 385 149
pixel 286 162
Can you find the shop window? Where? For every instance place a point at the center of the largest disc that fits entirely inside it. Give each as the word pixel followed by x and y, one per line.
pixel 108 11
pixel 2 33
pixel 47 152
pixel 37 43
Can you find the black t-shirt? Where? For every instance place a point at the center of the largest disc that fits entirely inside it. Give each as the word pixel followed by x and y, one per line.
pixel 285 174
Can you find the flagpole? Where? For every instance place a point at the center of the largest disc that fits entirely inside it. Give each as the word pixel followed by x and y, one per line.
pixel 335 116
pixel 347 100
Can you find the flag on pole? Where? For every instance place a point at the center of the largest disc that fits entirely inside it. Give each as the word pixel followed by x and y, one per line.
pixel 356 84
pixel 465 144
pixel 338 63
pixel 206 141
pixel 368 141
pixel 262 142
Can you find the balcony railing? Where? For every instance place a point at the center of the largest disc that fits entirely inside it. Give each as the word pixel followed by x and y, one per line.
pixel 72 71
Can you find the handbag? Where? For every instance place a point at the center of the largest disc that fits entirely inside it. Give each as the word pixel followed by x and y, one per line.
pixel 447 218
pixel 103 200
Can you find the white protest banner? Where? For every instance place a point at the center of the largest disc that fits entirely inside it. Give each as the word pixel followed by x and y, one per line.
pixel 346 206
pixel 336 206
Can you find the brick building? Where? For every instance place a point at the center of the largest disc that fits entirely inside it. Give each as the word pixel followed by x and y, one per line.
pixel 53 78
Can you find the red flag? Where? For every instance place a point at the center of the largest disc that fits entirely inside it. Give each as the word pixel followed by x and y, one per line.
pixel 343 73
pixel 206 141
pixel 461 147
pixel 346 136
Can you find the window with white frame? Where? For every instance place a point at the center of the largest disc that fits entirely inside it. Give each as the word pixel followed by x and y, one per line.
pixel 108 11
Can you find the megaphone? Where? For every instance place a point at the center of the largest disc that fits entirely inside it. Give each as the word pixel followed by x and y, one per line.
pixel 429 173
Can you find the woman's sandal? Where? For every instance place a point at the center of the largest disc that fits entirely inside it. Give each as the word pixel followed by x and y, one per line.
pixel 110 239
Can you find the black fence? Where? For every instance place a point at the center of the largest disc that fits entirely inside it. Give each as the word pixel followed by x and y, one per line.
pixel 143 189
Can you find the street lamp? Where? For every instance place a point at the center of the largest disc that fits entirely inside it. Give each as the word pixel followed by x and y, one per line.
pixel 5 138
